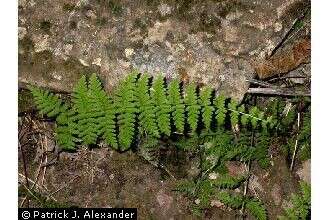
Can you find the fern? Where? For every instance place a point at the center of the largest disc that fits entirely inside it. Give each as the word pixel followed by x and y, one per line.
pixel 207 108
pixel 163 109
pixel 102 106
pixel 234 113
pixel 256 209
pixel 177 106
pixel 86 117
pixel 221 110
pixel 147 115
pixel 47 103
pixel 228 182
pixel 233 201
pixel 125 103
pixel 236 201
pixel 136 106
pixel 66 130
pixel 193 109
pixel 301 204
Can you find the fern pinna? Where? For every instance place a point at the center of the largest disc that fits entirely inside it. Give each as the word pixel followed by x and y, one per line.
pixel 140 106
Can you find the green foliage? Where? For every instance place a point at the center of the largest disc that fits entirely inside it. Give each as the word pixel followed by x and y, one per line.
pixel 236 201
pixel 177 106
pixel 304 137
pixel 234 113
pixel 221 110
pixel 138 106
pixel 86 116
pixel 228 182
pixel 147 115
pixel 233 201
pixel 53 106
pixel 301 204
pixel 193 109
pixel 261 149
pixel 207 108
pixel 125 103
pixel 47 103
pixel 147 111
pixel 163 108
pixel 256 208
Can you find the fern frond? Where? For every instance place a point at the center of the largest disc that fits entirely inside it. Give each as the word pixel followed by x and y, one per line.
pixel 47 103
pixel 177 106
pixel 254 112
pixel 220 102
pixel 66 130
pixel 207 108
pixel 163 109
pixel 232 106
pixel 125 103
pixel 86 117
pixel 261 149
pixel 192 106
pixel 233 201
pixel 256 208
pixel 102 106
pixel 228 182
pixel 147 115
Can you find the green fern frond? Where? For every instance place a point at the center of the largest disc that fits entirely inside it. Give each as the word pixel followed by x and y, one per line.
pixel 207 108
pixel 232 107
pixel 301 204
pixel 86 117
pixel 125 103
pixel 147 115
pixel 66 130
pixel 261 150
pixel 233 201
pixel 256 208
pixel 192 106
pixel 228 182
pixel 102 106
pixel 163 108
pixel 47 103
pixel 221 110
pixel 177 106
pixel 254 112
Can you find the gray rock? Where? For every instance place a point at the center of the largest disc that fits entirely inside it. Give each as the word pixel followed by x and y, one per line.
pixel 213 43
pixel 304 172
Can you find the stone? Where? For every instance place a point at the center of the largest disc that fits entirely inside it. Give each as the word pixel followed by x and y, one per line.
pixel 304 172
pixel 214 45
pixel 21 32
pixel 276 194
pixel 213 176
pixel 164 201
pixel 41 43
pixel 164 9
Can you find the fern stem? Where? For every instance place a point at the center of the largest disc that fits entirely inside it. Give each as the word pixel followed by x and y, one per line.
pixel 243 113
pixel 296 143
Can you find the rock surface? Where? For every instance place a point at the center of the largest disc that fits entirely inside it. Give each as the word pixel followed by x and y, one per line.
pixel 208 42
pixel 304 172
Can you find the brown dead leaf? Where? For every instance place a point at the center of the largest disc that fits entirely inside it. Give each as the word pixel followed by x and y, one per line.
pixel 287 60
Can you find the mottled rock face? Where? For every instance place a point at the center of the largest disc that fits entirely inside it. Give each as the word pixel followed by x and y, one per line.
pixel 208 42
